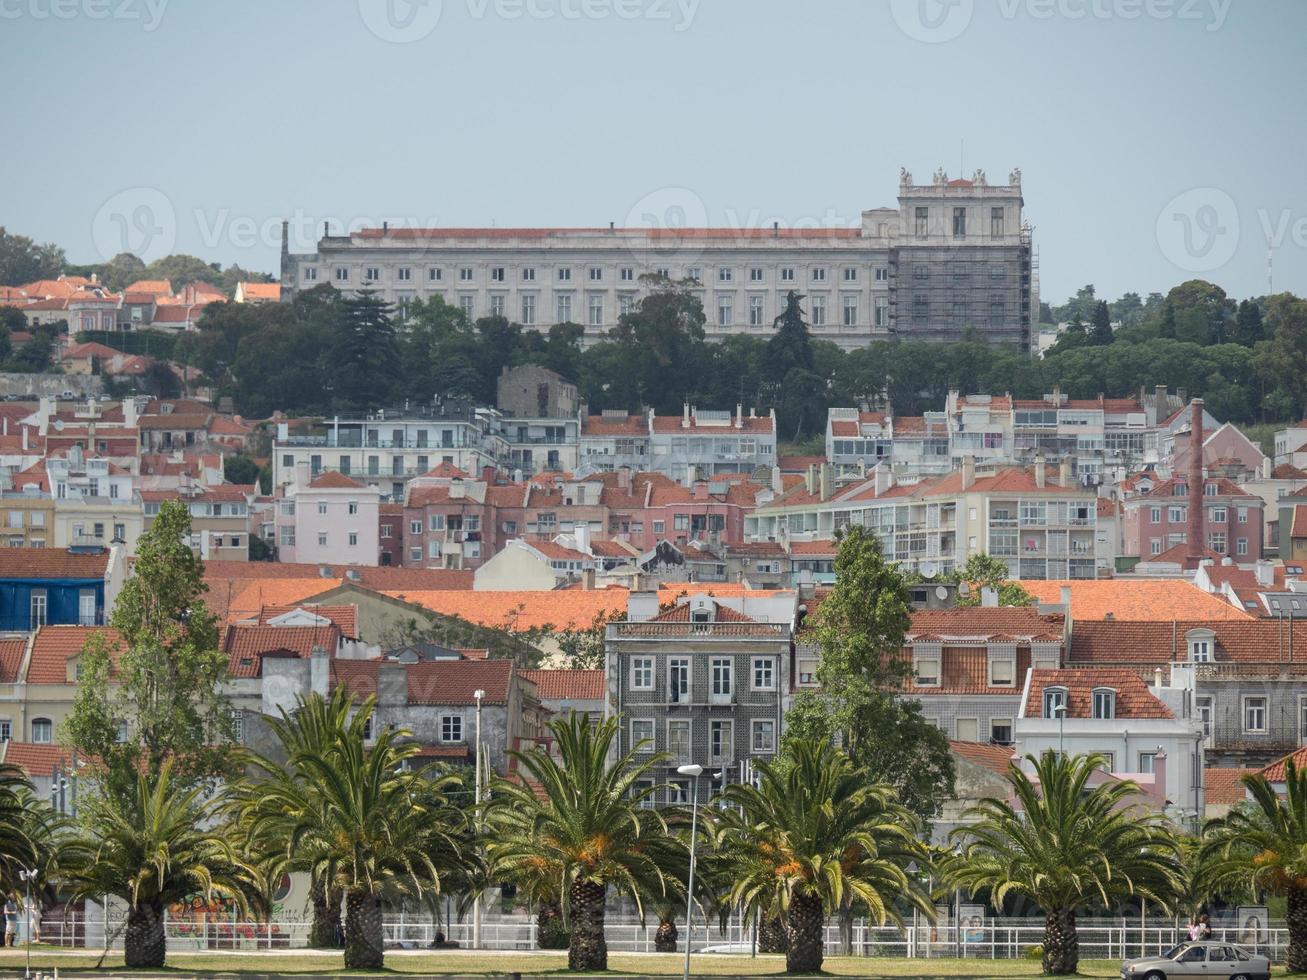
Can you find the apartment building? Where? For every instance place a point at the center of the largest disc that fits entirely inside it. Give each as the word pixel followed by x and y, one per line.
pixel 329 520
pixel 955 254
pixel 1043 525
pixel 706 681
pixel 220 518
pixel 698 445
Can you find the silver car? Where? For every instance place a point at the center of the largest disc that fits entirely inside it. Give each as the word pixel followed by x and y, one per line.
pixel 1199 959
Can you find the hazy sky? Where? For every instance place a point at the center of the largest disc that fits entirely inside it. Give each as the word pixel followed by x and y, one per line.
pixel 1158 139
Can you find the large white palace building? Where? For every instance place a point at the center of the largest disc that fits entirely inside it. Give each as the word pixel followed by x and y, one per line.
pixel 954 256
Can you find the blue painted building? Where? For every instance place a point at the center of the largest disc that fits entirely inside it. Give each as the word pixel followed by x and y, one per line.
pixel 52 586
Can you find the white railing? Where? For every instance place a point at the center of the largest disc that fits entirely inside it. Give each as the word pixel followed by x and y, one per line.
pixel 993 939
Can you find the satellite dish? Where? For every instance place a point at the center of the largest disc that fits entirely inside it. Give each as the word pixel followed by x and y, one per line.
pixel 58 425
pixel 929 569
pixel 941 592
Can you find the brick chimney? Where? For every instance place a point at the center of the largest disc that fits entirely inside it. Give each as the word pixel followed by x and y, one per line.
pixel 1195 533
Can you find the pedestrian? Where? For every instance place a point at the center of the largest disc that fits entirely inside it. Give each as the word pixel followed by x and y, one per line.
pixel 11 922
pixel 1204 927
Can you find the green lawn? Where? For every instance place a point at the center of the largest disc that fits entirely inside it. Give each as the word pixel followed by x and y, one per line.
pixel 538 963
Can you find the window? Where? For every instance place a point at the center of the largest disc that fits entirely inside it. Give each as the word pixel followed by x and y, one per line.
pixel 996 222
pixel 372 274
pixel 694 273
pixel 414 554
pixel 720 739
pixel 353 539
pixel 1000 730
pixel 764 736
pixel 465 274
pixel 1243 515
pixel 310 274
pixel 968 730
pixel 86 607
pixel 528 274
pixel 925 666
pixel 997 312
pixel 497 305
pixel 642 673
pixel 1241 546
pixel 678 680
pixel 1155 515
pixel 1147 761
pixel 959 222
pixel 497 274
pixel 564 308
pixel 433 274
pixel 818 275
pixel 755 311
pixel 764 674
pixel 342 274
pixel 642 734
pixel 596 274
pixel 819 311
pixel 322 539
pixel 721 673
pixel 564 275
pixel 38 608
pixel 322 507
pixel 1104 703
pixel 1200 650
pixel 414 527
pixel 787 275
pixel 678 738
pixel 1220 515
pixel 920 309
pixel 6 730
pixel 882 312
pixel 725 311
pixel 596 310
pixel 528 311
pixel 451 728
pixel 1175 515
pixel 850 311
pixel 404 275
pixel 755 275
pixel 921 221
pixel 1054 701
pixel 42 731
pixel 1254 715
pixel 1002 668
pixel 725 274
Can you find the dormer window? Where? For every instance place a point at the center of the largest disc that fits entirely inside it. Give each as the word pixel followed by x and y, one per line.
pixel 1182 490
pixel 1054 700
pixel 1200 643
pixel 1002 664
pixel 701 616
pixel 1104 703
pixel 1210 490
pixel 926 664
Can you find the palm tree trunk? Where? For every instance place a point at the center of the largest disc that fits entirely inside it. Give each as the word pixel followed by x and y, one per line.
pixel 145 944
pixel 587 949
pixel 1061 943
pixel 325 932
pixel 771 935
pixel 804 933
pixel 1295 957
pixel 363 932
pixel 666 936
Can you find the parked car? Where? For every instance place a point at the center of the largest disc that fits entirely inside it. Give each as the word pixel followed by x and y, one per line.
pixel 1199 959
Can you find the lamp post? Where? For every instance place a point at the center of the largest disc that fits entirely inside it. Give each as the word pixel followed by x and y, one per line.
pixel 1060 711
pixel 476 804
pixel 694 772
pixel 28 876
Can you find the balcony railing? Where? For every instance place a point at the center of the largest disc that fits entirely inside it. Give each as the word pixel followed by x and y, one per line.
pixel 659 631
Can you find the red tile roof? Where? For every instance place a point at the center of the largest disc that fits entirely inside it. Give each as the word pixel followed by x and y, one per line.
pixel 37 760
pixel 12 650
pixel 565 685
pixel 995 758
pixel 1246 641
pixel 344 616
pixel 1224 786
pixel 454 681
pixel 54 646
pixel 1133 698
pixel 982 622
pixel 597 425
pixel 335 481
pixel 1298 529
pixel 721 614
pixel 1178 554
pixel 1275 772
pixel 1136 600
pixel 557 552
pixel 246 646
pixel 39 563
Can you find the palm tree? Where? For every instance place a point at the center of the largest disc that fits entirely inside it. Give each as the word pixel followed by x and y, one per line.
pixel 357 820
pixel 315 726
pixel 18 848
pixel 1264 846
pixel 585 820
pixel 151 846
pixel 1065 845
pixel 813 834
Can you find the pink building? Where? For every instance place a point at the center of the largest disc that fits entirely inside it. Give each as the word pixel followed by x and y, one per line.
pixel 332 520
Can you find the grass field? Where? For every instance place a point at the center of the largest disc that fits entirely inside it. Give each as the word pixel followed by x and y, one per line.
pixel 497 964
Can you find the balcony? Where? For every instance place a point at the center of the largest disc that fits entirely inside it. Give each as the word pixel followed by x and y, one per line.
pixel 673 631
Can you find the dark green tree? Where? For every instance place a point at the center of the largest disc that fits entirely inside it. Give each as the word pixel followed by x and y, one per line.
pixel 1100 325
pixel 23 260
pixel 369 350
pixel 791 345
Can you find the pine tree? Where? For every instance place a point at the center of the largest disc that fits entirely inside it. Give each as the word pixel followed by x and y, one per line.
pixel 791 346
pixel 1167 329
pixel 369 361
pixel 1100 325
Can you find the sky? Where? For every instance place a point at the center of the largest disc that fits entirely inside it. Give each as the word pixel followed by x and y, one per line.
pixel 1159 140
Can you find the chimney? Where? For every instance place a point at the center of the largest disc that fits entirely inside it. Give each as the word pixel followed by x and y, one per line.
pixel 1064 473
pixel 641 607
pixel 885 478
pixel 130 413
pixel 581 535
pixel 777 480
pixel 1195 535
pixel 1157 677
pixel 319 670
pixel 989 597
pixel 739 416
pixel 810 479
pixel 302 475
pixel 968 471
pixel 456 489
pixel 1041 477
pixel 624 478
pixel 826 480
pixel 691 474
pixel 1159 773
pixel 685 415
pixel 1265 573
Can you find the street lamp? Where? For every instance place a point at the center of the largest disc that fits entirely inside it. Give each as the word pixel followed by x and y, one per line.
pixel 1060 711
pixel 694 772
pixel 478 694
pixel 28 877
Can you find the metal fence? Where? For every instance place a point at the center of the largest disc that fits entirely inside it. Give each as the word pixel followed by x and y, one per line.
pixel 987 939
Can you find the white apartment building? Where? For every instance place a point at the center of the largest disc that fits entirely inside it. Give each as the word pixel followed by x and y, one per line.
pixel 693 445
pixel 1043 526
pixel 954 255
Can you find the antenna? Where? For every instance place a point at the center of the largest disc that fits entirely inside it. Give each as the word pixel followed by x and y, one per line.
pixel 962 156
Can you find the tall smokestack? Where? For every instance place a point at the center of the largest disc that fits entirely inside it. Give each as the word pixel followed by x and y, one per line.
pixel 1195 534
